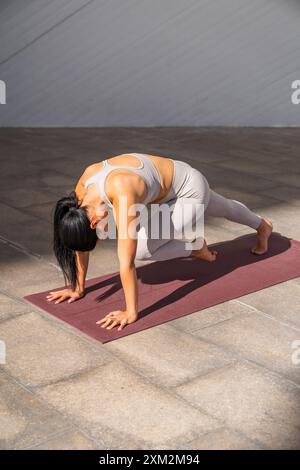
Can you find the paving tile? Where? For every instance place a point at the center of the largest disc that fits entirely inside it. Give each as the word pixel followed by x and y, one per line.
pixel 257 338
pixel 24 419
pixel 211 316
pixel 20 197
pixel 290 194
pixel 262 150
pixel 248 166
pixel 168 356
pixel 291 163
pixel 252 401
pixel 69 440
pixel 296 281
pixel 252 200
pixel 13 220
pixel 195 154
pixel 283 216
pixel 39 352
pixel 54 179
pixel 282 301
pixel 37 238
pixel 214 232
pixel 4 378
pixel 30 232
pixel 43 211
pixel 68 165
pixel 13 166
pixel 116 407
pixel 38 179
pixel 22 274
pixel 291 178
pixel 221 439
pixel 233 179
pixel 221 229
pixel 10 307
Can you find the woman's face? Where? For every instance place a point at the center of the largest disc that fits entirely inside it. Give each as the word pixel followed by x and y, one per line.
pixel 101 219
pixel 96 214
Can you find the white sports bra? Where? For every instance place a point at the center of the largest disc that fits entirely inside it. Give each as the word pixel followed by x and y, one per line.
pixel 146 170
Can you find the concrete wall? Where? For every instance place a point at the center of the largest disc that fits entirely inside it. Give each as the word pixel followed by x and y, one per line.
pixel 149 62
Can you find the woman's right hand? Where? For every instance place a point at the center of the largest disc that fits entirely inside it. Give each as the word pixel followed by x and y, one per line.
pixel 62 295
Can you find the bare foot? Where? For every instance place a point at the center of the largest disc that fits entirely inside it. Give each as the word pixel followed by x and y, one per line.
pixel 263 233
pixel 205 254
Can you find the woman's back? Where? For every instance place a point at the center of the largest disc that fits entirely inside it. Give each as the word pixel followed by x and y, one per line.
pixel 154 172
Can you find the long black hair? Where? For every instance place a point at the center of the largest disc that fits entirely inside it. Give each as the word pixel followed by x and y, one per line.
pixel 72 232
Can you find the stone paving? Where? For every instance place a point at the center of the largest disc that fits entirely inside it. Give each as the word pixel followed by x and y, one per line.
pixel 222 378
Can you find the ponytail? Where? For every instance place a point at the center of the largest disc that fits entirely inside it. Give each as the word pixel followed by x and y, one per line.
pixel 72 232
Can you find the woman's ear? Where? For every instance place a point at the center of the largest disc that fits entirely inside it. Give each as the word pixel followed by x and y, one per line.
pixel 97 215
pixel 95 221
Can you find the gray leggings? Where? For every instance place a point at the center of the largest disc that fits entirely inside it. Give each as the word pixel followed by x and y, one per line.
pixel 190 186
pixel 220 206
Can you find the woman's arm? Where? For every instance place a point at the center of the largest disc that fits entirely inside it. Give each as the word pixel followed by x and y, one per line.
pixel 127 245
pixel 126 254
pixel 82 262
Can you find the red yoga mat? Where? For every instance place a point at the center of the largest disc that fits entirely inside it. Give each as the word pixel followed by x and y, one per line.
pixel 178 287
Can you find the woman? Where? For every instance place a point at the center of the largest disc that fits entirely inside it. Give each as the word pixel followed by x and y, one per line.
pixel 139 179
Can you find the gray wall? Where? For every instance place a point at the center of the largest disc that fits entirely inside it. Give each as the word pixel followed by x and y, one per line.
pixel 149 62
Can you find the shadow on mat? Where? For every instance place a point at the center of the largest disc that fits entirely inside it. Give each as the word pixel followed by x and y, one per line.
pixel 231 255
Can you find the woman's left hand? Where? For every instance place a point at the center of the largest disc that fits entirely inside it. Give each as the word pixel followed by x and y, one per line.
pixel 118 317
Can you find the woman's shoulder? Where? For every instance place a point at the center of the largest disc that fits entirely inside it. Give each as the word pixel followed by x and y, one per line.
pixel 88 173
pixel 91 169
